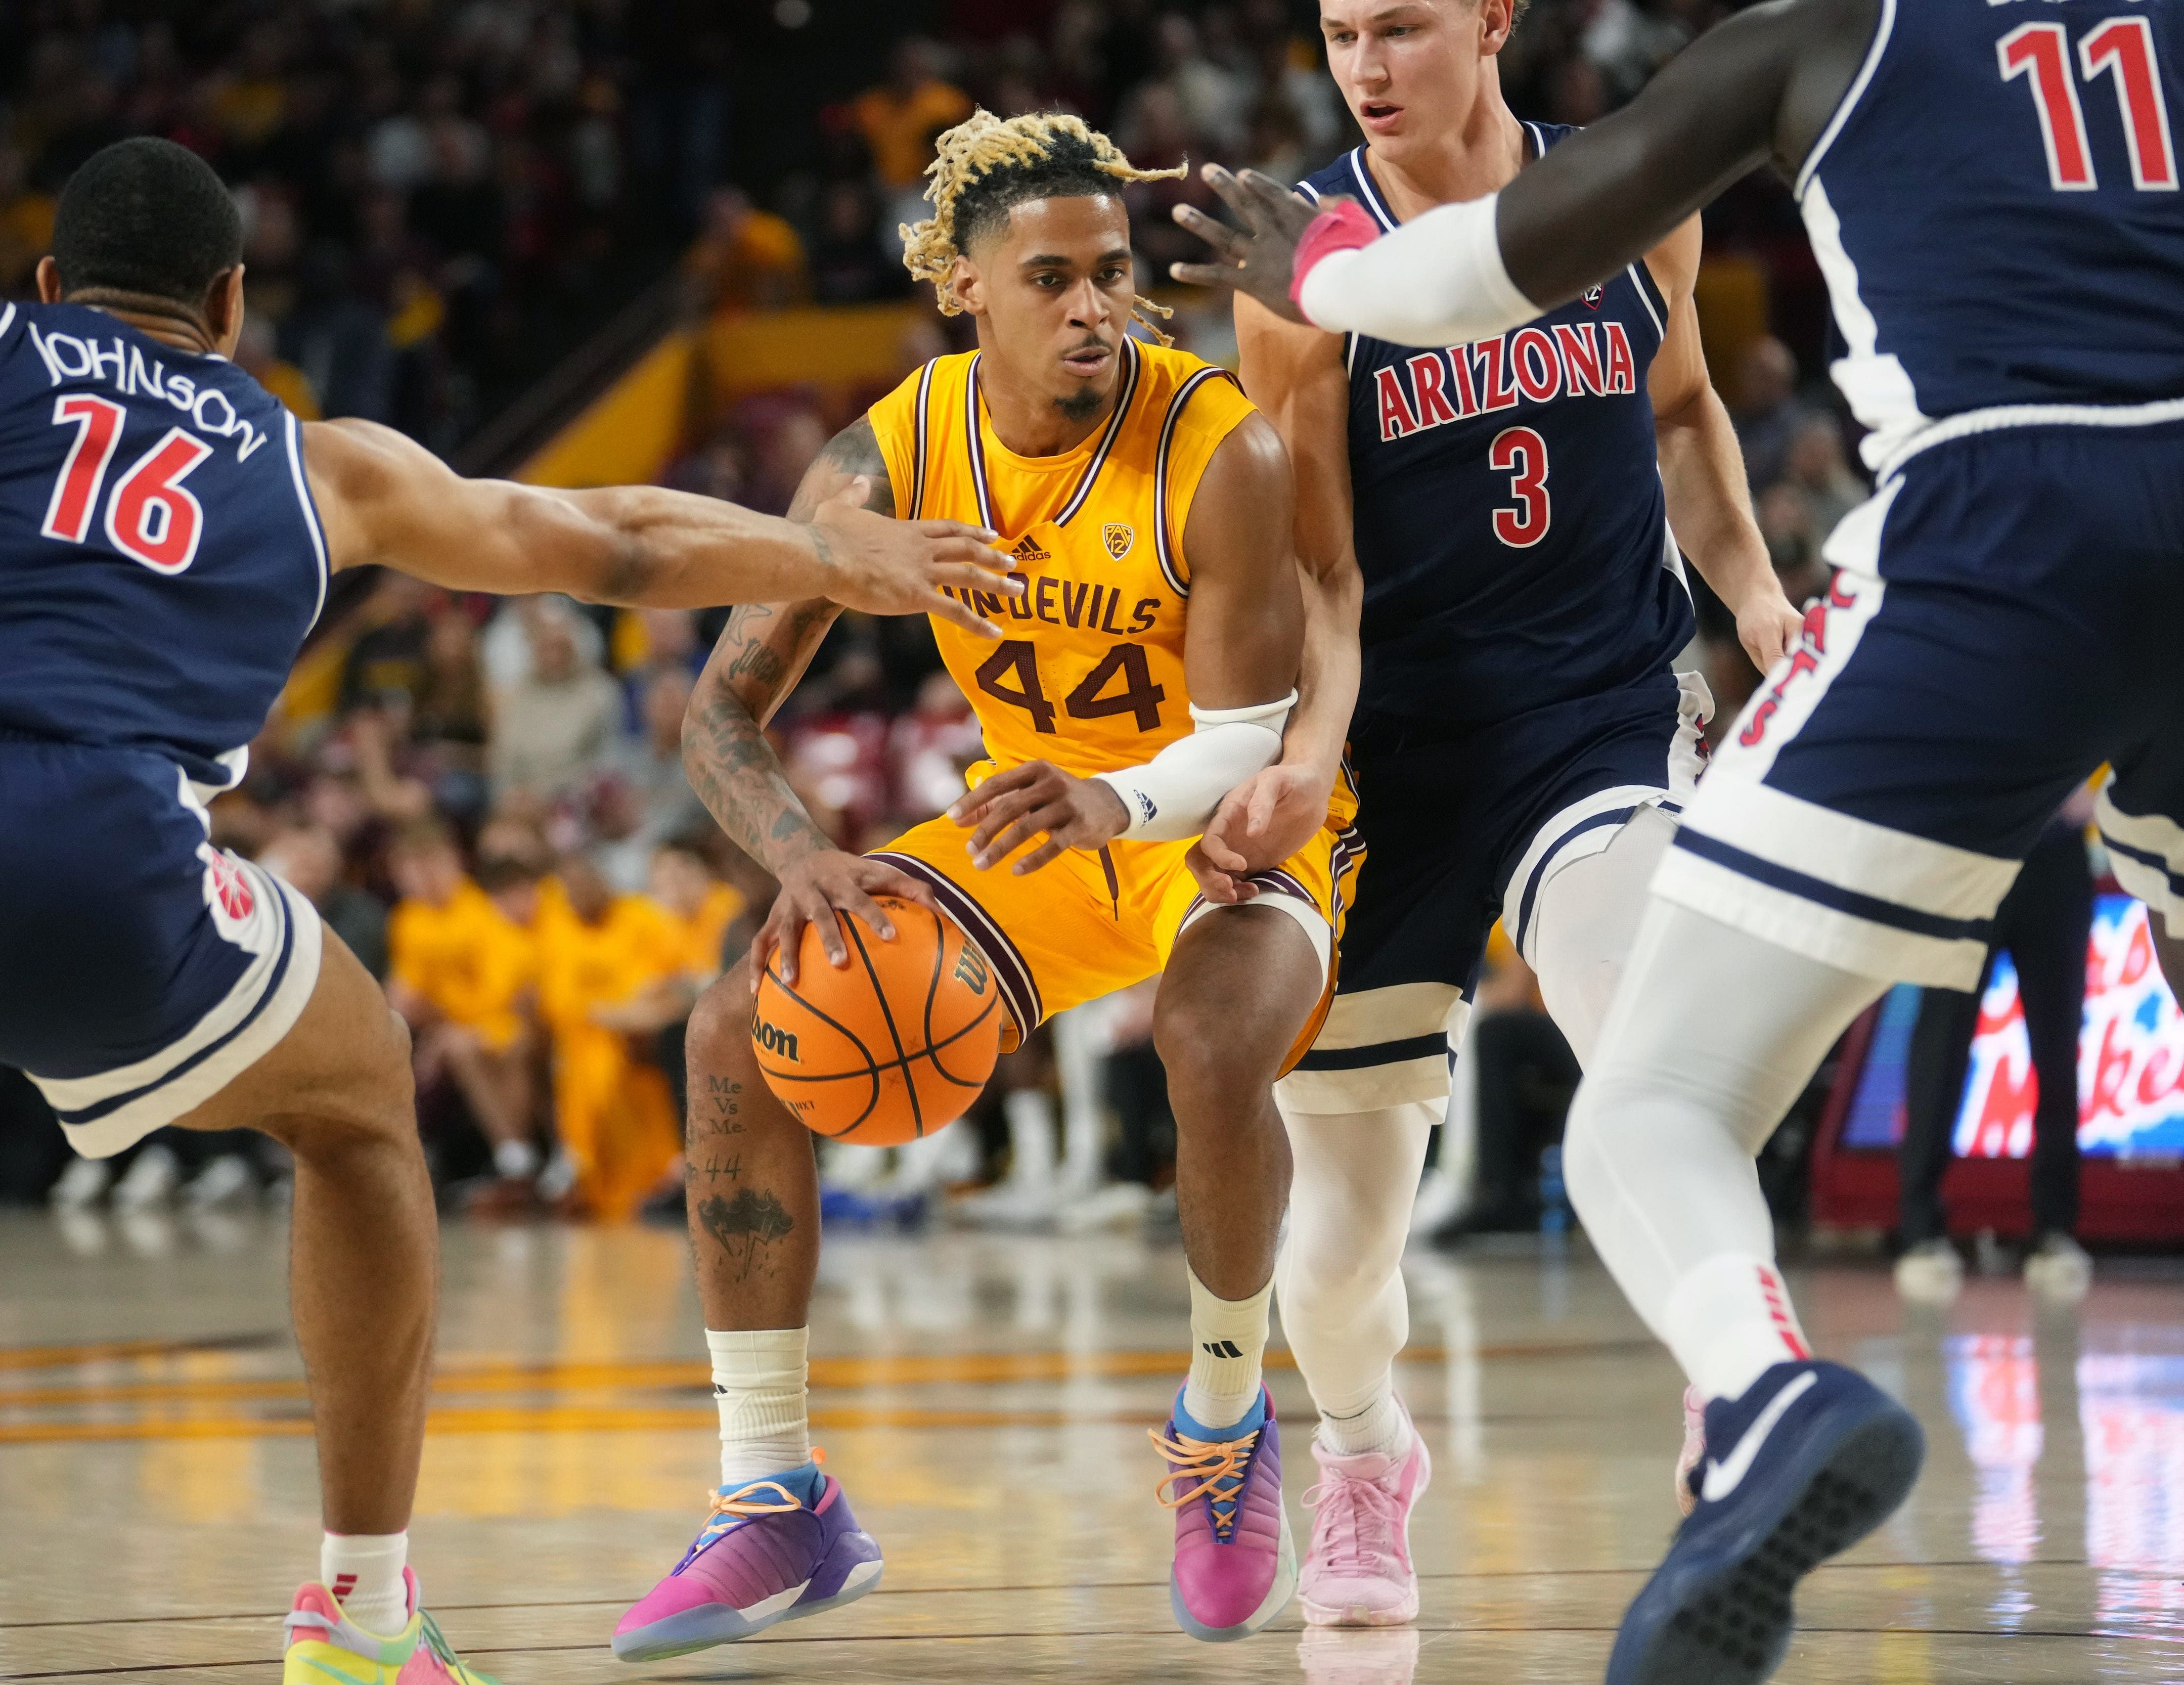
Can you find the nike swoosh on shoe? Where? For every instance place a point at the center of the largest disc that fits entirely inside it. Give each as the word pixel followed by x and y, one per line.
pixel 1723 1475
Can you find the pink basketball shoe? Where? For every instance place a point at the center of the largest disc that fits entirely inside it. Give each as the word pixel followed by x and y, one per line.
pixel 1357 1570
pixel 1236 1565
pixel 768 1552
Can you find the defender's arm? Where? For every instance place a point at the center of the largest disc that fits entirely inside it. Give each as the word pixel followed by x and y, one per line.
pixel 1298 378
pixel 386 500
pixel 762 651
pixel 1702 467
pixel 1761 85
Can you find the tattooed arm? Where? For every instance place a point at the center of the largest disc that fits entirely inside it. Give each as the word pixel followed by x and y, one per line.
pixel 387 499
pixel 761 654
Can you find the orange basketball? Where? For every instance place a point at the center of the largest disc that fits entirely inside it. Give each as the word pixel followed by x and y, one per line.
pixel 893 1046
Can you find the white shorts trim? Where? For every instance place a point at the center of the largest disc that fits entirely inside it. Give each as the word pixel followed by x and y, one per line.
pixel 2146 852
pixel 1402 1018
pixel 1300 907
pixel 1830 935
pixel 1580 831
pixel 1972 421
pixel 283 933
pixel 1851 854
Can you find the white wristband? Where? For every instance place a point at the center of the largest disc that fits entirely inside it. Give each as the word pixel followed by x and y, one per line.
pixel 1438 279
pixel 1172 796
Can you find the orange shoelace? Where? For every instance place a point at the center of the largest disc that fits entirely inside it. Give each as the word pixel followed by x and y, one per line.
pixel 743 1503
pixel 1217 1464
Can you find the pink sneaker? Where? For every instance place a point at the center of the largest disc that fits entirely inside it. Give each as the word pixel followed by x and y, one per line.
pixel 1357 1569
pixel 1235 1564
pixel 324 1647
pixel 1694 1447
pixel 768 1552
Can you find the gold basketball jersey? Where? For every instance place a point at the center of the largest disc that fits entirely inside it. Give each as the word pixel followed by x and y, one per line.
pixel 1089 673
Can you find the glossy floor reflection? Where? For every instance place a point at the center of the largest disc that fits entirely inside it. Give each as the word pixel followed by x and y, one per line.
pixel 985 1401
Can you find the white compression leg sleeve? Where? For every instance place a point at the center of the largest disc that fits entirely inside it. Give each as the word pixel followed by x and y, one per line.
pixel 1585 921
pixel 1339 1279
pixel 1712 1035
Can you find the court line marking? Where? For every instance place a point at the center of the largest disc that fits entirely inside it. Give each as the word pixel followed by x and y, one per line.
pixel 546 1419
pixel 1105 1633
pixel 2160 1574
pixel 109 1350
pixel 896 1369
pixel 828 1374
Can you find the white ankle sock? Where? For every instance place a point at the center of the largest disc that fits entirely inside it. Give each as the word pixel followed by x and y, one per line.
pixel 1729 1321
pixel 759 1378
pixel 1228 1343
pixel 364 1572
pixel 1381 1428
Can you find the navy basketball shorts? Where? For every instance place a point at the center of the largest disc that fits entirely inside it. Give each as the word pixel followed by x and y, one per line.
pixel 1462 825
pixel 2007 620
pixel 140 968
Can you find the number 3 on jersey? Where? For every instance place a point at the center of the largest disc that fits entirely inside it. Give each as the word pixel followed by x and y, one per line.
pixel 153 518
pixel 1522 455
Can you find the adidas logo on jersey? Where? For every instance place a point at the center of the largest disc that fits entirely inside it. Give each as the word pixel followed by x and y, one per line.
pixel 1027 550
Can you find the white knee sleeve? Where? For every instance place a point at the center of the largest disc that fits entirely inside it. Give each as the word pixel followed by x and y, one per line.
pixel 1712 1035
pixel 1586 920
pixel 1339 1280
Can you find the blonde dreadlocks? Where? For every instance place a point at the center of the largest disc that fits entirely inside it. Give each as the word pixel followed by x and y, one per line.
pixel 988 165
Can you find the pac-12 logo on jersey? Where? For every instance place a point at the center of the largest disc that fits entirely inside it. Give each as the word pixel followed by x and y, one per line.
pixel 1119 536
pixel 1593 295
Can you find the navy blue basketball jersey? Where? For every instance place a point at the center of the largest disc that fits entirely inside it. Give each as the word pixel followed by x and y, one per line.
pixel 1510 520
pixel 1996 205
pixel 160 560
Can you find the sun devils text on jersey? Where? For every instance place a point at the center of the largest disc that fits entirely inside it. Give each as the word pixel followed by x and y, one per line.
pixel 1090 672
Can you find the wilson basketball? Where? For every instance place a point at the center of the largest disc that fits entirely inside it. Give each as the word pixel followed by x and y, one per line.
pixel 893 1046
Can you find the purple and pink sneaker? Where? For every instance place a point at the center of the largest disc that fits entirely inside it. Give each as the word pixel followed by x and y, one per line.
pixel 1235 1565
pixel 771 1550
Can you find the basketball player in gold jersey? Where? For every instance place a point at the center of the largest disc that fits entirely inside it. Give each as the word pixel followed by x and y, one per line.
pixel 1145 671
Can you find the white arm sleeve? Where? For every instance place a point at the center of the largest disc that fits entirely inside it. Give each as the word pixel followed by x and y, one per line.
pixel 1438 279
pixel 1173 795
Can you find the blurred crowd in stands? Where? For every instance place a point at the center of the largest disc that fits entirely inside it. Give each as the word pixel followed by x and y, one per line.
pixel 439 200
pixel 486 799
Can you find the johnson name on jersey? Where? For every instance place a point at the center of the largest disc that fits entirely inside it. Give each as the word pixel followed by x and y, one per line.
pixel 160 553
pixel 1509 518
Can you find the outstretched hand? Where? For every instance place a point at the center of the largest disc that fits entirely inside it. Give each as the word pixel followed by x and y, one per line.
pixel 883 565
pixel 1260 257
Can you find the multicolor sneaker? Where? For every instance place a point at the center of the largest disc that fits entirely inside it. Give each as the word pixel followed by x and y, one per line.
pixel 324 1647
pixel 771 1550
pixel 1357 1569
pixel 1808 1461
pixel 1235 1564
